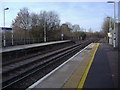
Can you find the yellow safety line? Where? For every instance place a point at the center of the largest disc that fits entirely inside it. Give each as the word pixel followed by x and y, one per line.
pixel 87 69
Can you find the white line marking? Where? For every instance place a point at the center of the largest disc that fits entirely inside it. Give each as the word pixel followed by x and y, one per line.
pixel 39 81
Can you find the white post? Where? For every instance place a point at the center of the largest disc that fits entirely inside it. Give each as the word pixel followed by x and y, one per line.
pixel 12 38
pixel 4 25
pixel 44 32
pixel 114 35
pixel 4 43
pixel 110 29
pixel 118 31
pixel 62 36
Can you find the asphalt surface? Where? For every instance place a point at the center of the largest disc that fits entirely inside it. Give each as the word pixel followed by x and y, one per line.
pixel 104 69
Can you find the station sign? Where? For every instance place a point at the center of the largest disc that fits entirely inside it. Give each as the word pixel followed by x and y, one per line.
pixel 4 28
pixel 109 34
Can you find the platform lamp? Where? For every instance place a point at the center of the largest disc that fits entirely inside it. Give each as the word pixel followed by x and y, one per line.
pixel 4 25
pixel 114 37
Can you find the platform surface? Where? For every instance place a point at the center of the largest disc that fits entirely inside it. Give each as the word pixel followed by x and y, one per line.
pixel 72 69
pixel 104 69
pixel 102 72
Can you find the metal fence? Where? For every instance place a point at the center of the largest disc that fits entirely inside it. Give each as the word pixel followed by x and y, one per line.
pixel 25 41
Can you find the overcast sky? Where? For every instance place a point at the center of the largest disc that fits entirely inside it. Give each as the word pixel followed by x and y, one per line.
pixel 86 14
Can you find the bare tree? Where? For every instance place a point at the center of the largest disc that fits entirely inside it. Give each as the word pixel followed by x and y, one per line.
pixel 76 28
pixel 49 21
pixel 106 24
pixel 46 23
pixel 76 31
pixel 52 20
pixel 34 25
pixel 22 20
pixel 21 24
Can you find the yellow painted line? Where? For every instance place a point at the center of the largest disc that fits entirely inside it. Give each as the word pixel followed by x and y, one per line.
pixel 87 68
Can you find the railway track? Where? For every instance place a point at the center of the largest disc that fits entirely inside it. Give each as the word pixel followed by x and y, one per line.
pixel 19 55
pixel 23 73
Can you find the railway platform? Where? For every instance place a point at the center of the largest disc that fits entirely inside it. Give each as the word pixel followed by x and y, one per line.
pixel 95 66
pixel 20 47
pixel 104 69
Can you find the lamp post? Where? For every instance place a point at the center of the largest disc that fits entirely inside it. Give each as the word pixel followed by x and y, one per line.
pixel 118 26
pixel 114 34
pixel 4 25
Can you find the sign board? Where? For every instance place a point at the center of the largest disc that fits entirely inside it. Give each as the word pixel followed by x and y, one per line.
pixel 62 34
pixel 109 35
pixel 6 28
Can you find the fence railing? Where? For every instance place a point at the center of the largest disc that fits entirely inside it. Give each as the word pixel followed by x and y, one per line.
pixel 8 42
